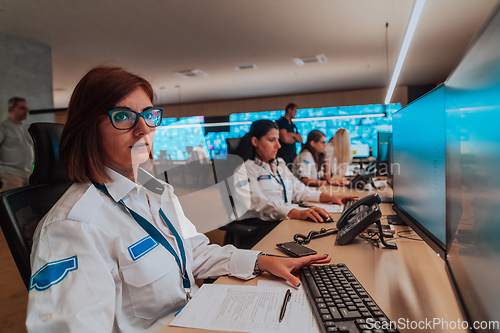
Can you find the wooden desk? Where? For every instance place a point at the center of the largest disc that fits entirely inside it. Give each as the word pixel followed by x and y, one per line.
pixel 409 283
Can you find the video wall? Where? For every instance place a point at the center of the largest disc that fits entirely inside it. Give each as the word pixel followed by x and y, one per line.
pixel 175 138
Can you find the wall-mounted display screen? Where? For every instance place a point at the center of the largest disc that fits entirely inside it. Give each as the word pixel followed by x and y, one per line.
pixel 175 138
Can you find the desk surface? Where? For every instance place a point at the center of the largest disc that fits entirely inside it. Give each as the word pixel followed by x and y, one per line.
pixel 408 284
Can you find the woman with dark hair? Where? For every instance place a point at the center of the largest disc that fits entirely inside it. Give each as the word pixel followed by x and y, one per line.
pixel 270 191
pixel 310 166
pixel 114 255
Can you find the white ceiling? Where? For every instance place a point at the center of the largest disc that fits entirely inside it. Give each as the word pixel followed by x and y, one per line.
pixel 157 38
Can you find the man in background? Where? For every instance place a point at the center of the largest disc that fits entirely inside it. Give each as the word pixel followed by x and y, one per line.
pixel 288 135
pixel 16 153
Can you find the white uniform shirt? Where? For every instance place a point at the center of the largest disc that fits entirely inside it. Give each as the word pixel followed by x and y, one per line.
pixel 94 269
pixel 305 166
pixel 262 193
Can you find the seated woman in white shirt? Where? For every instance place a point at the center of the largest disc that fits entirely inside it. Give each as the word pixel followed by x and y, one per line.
pixel 113 255
pixel 310 166
pixel 268 186
pixel 339 152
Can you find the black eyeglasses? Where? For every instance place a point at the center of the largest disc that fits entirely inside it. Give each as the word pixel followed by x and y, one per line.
pixel 124 119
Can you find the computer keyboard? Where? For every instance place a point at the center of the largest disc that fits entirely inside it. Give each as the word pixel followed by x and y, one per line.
pixel 340 303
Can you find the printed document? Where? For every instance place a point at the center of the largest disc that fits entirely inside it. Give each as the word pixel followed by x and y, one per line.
pixel 247 309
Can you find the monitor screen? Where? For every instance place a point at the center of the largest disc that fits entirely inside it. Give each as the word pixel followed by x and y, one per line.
pixel 419 182
pixel 383 146
pixel 360 150
pixel 473 177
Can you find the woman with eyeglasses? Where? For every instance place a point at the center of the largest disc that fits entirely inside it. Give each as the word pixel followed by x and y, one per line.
pixel 115 254
pixel 310 166
pixel 268 189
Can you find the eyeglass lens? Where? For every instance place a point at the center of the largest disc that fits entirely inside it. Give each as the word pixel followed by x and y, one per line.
pixel 125 119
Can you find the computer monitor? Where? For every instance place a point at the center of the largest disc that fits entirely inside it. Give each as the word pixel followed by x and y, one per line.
pixel 473 180
pixel 360 150
pixel 383 153
pixel 383 146
pixel 419 179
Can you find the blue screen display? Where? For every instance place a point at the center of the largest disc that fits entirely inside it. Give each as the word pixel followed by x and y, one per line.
pixel 175 138
pixel 419 157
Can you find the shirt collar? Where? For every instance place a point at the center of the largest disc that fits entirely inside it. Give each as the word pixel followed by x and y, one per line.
pixel 119 186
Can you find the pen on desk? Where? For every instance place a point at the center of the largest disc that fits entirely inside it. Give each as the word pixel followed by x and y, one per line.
pixel 285 302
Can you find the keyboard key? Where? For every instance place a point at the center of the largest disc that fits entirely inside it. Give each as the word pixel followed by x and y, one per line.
pixel 350 314
pixel 335 313
pixel 332 329
pixel 326 317
pixel 324 311
pixel 321 305
pixel 329 323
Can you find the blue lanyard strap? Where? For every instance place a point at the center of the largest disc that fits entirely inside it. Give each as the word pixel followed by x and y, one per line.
pixel 157 236
pixel 281 182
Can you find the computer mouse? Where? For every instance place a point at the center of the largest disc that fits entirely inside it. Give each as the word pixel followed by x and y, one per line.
pixel 325 220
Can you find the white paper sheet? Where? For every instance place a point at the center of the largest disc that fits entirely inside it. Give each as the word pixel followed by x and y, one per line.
pixel 246 309
pixel 330 208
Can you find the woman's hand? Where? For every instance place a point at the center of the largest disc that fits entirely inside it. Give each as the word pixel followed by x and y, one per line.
pixel 337 199
pixel 339 182
pixel 284 267
pixel 316 214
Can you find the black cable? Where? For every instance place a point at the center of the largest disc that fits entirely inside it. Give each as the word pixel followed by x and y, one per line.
pixel 410 238
pixel 301 239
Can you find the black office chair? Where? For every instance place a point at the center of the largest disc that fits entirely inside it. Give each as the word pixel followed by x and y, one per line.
pixel 22 208
pixel 243 234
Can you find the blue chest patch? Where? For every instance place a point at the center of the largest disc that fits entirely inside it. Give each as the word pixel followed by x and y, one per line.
pixel 52 273
pixel 264 177
pixel 140 248
pixel 307 162
pixel 242 183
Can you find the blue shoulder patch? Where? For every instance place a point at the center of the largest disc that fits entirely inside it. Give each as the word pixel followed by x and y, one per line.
pixel 307 162
pixel 52 273
pixel 264 177
pixel 242 183
pixel 140 248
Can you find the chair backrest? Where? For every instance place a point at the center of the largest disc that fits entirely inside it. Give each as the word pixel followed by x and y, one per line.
pixel 232 145
pixel 22 208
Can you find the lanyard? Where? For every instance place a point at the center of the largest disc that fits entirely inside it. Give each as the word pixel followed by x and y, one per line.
pixel 280 181
pixel 157 236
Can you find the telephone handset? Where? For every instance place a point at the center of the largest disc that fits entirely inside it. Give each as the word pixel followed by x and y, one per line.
pixel 359 216
pixel 359 181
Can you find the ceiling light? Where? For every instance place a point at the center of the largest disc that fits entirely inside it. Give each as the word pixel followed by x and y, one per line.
pixel 192 73
pixel 417 10
pixel 246 67
pixel 310 60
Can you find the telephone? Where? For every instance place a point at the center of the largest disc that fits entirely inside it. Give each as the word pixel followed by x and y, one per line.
pixel 356 218
pixel 360 180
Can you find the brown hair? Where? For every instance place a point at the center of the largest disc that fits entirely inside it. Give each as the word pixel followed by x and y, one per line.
pixel 97 92
pixel 319 159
